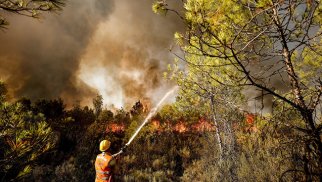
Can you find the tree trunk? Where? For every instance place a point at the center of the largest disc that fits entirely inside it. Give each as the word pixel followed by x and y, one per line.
pixel 302 107
pixel 217 130
pixel 315 141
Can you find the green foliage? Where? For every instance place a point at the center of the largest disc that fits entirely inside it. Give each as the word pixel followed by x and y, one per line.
pixel 274 47
pixel 133 126
pixel 260 159
pixel 52 109
pixel 309 64
pixel 159 7
pixel 3 92
pixel 164 155
pixel 24 138
pixel 105 115
pixel 28 8
pixel 83 116
pixel 122 116
pixel 237 44
pixel 169 113
pixel 263 154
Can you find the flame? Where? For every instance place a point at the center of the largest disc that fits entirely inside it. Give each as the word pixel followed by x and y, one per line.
pixel 115 128
pixel 203 125
pixel 250 121
pixel 180 127
pixel 250 118
pixel 253 129
pixel 156 126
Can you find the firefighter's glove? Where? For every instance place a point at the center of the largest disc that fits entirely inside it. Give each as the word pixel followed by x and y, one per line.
pixel 124 149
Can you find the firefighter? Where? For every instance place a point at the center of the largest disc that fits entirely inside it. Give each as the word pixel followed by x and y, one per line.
pixel 104 163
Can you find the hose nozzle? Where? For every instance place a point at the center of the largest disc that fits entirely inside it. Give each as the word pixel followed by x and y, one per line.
pixel 123 149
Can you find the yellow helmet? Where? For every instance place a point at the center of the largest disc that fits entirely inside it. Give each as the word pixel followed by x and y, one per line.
pixel 104 145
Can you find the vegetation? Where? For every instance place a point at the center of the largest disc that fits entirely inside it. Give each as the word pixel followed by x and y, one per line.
pixel 176 145
pixel 25 137
pixel 228 48
pixel 271 46
pixel 29 8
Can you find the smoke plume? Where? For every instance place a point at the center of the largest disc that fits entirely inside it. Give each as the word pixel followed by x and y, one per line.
pixel 115 48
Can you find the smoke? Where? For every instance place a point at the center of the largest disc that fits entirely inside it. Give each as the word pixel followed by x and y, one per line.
pixel 132 46
pixel 115 48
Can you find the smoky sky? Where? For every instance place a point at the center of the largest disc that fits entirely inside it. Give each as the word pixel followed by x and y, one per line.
pixel 117 48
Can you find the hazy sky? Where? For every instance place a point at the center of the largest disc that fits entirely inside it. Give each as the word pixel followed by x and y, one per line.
pixel 118 48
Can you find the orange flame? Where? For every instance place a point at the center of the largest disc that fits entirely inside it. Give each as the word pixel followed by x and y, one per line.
pixel 250 121
pixel 203 125
pixel 250 118
pixel 180 127
pixel 156 126
pixel 115 128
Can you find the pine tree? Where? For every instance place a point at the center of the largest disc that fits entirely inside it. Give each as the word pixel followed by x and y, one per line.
pixel 24 138
pixel 271 46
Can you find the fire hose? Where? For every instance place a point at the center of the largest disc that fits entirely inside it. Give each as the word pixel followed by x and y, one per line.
pixel 151 113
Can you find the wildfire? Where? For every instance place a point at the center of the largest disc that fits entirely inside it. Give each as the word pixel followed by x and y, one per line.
pixel 203 125
pixel 250 118
pixel 115 128
pixel 156 126
pixel 250 121
pixel 180 127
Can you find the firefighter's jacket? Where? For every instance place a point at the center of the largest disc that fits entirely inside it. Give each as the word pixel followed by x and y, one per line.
pixel 103 168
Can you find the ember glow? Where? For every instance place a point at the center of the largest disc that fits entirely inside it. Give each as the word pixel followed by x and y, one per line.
pixel 250 118
pixel 115 128
pixel 203 125
pixel 200 126
pixel 180 127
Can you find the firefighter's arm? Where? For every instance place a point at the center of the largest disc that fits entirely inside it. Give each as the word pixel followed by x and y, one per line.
pixel 123 149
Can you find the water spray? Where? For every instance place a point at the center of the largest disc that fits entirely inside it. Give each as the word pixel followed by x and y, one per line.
pixel 151 113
